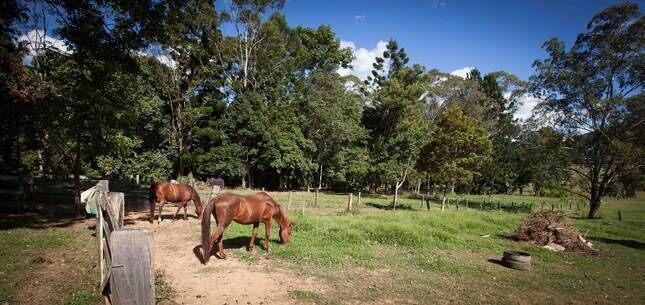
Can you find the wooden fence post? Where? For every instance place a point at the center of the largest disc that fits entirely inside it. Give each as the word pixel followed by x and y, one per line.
pixel 289 205
pixel 423 199
pixel 316 199
pixel 349 202
pixel 359 199
pixel 133 275
pixel 126 269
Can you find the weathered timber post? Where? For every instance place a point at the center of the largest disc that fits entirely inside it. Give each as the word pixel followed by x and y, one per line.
pixel 359 199
pixel 289 205
pixel 132 272
pixel 423 199
pixel 349 202
pixel 316 199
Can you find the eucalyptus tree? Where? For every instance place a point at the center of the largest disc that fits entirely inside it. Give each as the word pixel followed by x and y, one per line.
pixel 585 91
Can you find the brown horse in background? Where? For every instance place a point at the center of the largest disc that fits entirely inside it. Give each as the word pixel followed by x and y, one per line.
pixel 165 191
pixel 250 209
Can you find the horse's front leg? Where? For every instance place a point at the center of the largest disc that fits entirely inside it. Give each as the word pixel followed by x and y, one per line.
pixel 161 203
pixel 253 234
pixel 267 227
pixel 153 202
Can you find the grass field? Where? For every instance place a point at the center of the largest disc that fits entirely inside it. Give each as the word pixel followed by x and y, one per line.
pixel 374 255
pixel 418 256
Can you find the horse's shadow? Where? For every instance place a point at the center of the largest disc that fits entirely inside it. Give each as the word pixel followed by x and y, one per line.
pixel 231 243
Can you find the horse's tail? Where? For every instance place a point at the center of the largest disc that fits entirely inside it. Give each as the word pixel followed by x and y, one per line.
pixel 206 231
pixel 151 191
pixel 198 202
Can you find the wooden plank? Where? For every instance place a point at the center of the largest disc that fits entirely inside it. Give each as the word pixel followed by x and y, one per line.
pixel 115 208
pixel 133 275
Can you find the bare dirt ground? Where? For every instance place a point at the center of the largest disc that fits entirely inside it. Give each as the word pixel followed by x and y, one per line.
pixel 230 281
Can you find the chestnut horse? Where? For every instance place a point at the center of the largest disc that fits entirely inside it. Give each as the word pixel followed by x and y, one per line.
pixel 165 191
pixel 250 209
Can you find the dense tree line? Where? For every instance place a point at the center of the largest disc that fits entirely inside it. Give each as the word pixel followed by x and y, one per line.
pixel 158 89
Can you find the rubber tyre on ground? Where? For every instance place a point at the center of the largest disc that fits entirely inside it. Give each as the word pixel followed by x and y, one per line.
pixel 516 265
pixel 517 256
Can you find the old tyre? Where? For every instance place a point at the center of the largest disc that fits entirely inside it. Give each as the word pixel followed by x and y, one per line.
pixel 516 265
pixel 517 256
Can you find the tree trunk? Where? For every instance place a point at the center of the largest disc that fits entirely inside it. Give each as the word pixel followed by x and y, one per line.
pixel 594 205
pixel 538 190
pixel 320 177
pixel 77 179
pixel 443 201
pixel 396 196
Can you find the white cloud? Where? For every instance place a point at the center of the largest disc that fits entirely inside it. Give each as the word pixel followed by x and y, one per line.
pixel 439 4
pixel 463 72
pixel 359 17
pixel 166 60
pixel 526 103
pixel 363 59
pixel 37 40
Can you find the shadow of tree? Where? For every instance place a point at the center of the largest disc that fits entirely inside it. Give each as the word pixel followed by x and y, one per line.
pixel 37 221
pixel 388 206
pixel 623 242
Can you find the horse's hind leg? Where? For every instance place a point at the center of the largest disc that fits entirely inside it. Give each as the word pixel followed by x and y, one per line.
pixel 182 204
pixel 255 232
pixel 219 234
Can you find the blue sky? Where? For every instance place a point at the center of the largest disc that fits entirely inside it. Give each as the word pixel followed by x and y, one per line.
pixel 450 35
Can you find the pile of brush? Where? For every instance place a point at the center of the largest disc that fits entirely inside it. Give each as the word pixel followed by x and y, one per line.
pixel 553 231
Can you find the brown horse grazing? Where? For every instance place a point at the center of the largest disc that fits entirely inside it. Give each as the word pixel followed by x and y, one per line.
pixel 251 209
pixel 165 191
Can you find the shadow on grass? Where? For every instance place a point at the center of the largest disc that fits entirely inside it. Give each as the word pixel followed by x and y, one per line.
pixel 36 221
pixel 388 206
pixel 496 261
pixel 623 242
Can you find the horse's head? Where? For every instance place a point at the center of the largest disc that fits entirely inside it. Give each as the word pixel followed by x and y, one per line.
pixel 285 232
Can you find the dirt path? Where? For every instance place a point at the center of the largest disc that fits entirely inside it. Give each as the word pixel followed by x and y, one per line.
pixel 229 281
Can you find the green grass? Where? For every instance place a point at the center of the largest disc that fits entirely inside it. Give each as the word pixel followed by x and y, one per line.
pixel 46 264
pixel 408 255
pixel 375 255
pixel 164 293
